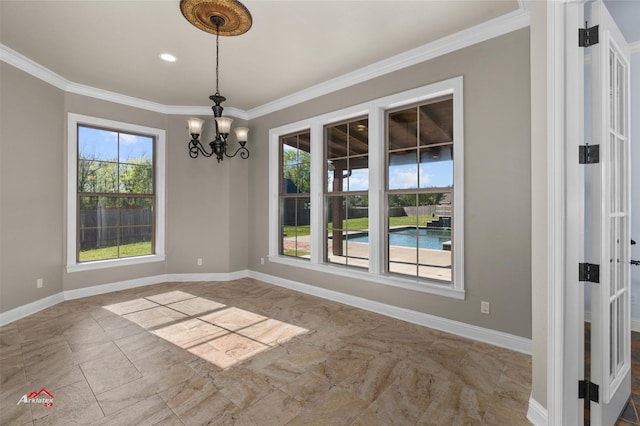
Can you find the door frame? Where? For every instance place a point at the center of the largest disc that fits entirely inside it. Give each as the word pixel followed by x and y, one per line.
pixel 565 198
pixel 565 106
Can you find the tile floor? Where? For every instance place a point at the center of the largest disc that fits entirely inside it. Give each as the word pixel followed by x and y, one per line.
pixel 247 353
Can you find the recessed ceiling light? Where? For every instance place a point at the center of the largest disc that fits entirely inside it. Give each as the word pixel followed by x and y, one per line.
pixel 168 57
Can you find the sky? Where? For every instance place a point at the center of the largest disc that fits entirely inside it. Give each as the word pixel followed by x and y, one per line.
pixel 102 144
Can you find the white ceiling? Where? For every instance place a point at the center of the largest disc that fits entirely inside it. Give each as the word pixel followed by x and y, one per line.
pixel 114 45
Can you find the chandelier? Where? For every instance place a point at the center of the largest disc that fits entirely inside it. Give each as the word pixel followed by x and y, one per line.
pixel 227 18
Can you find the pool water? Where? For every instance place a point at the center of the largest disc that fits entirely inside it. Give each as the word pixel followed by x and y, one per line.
pixel 427 238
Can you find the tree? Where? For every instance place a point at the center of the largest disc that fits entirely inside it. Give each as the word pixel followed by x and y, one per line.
pixel 297 168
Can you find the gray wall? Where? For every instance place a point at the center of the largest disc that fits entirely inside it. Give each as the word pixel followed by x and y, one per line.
pixel 497 173
pixel 206 202
pixel 31 188
pixel 207 206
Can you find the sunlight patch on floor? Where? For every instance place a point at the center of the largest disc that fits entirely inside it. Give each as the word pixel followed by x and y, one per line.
pixel 223 335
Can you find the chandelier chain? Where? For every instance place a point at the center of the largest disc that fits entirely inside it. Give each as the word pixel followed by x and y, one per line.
pixel 217 55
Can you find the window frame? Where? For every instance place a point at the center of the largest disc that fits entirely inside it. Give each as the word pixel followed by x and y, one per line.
pixel 376 111
pixel 73 122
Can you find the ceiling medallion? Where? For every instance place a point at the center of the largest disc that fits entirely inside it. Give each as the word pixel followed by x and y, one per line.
pixel 236 19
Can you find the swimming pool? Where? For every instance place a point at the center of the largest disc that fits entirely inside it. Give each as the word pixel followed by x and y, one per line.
pixel 406 237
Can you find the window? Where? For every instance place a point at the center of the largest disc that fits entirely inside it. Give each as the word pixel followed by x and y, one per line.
pixel 295 184
pixel 116 193
pixel 347 193
pixel 420 189
pixel 384 201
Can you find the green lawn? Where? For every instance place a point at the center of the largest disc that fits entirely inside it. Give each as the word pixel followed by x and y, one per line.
pixel 362 224
pixel 127 250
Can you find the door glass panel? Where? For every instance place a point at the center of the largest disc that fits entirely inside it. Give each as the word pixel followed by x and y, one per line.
pixel 612 326
pixel 620 95
pixel 612 88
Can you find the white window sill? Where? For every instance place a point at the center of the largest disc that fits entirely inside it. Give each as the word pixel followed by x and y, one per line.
pixel 114 263
pixel 423 286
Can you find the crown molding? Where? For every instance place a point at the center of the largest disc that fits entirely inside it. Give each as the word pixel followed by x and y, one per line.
pixel 635 46
pixel 25 64
pixel 496 27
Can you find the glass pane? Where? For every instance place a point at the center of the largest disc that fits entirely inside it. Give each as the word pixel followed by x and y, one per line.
pixel 347 149
pixel 297 179
pixel 436 167
pixel 419 243
pixel 97 176
pixel 296 164
pixel 358 174
pixel 358 142
pixel 357 249
pixel 612 167
pixel 135 241
pixel 403 260
pixel 612 90
pixel 136 149
pixel 337 175
pixel 346 228
pixel 402 129
pixel 619 325
pixel 436 122
pixel 136 211
pixel 98 228
pixel 621 94
pixel 612 334
pixel 435 254
pixel 97 144
pixel 403 170
pixel 613 246
pixel 357 212
pixel 136 178
pixel 295 219
pixel 337 142
pixel 622 175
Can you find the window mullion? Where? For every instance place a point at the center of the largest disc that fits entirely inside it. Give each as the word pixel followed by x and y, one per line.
pixel 376 190
pixel 316 195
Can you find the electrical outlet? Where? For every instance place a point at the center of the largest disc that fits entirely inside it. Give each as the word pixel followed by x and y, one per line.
pixel 262 260
pixel 39 283
pixel 485 307
pixel 199 261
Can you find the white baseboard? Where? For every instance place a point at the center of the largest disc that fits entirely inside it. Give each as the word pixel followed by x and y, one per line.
pixel 536 413
pixel 469 331
pixel 31 308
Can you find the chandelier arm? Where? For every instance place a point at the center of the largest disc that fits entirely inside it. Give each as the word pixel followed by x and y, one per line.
pixel 243 151
pixel 196 149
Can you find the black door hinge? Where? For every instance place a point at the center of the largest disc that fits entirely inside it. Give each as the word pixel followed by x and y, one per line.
pixel 588 391
pixel 589 154
pixel 588 36
pixel 589 272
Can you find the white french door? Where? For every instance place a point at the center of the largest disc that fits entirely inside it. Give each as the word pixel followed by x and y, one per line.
pixel 608 218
